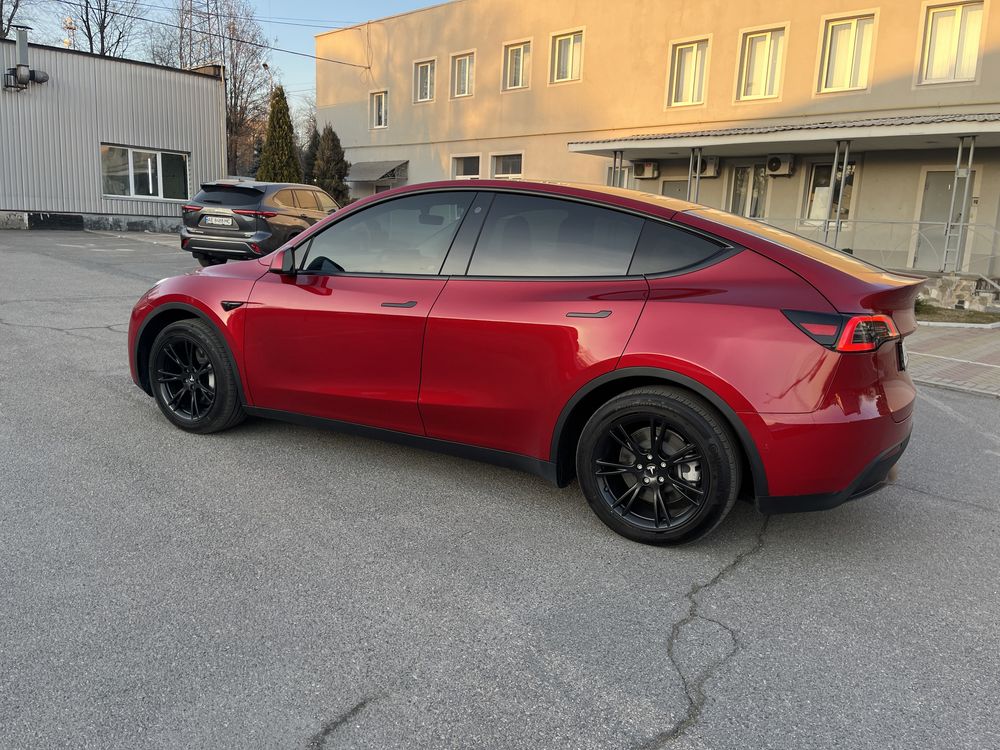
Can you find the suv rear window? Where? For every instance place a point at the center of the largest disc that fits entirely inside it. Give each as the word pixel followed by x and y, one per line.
pixel 228 196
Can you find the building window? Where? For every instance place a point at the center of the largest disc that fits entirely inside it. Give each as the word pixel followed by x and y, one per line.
pixel 622 180
pixel 760 64
pixel 567 56
pixel 462 74
pixel 143 173
pixel 823 195
pixel 423 81
pixel 847 53
pixel 465 167
pixel 516 58
pixel 749 193
pixel 506 166
pixel 380 109
pixel 951 43
pixel 687 76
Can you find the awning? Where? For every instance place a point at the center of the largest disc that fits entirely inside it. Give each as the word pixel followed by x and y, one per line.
pixel 871 134
pixel 376 171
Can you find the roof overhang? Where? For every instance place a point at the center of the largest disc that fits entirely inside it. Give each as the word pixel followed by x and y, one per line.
pixel 378 171
pixel 876 134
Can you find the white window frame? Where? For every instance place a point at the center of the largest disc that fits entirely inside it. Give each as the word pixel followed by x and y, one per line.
pixel 372 95
pixel 494 155
pixel 675 47
pixel 455 157
pixel 824 64
pixel 430 65
pixel 471 73
pixel 929 9
pixel 554 39
pixel 159 174
pixel 809 173
pixel 525 69
pixel 742 69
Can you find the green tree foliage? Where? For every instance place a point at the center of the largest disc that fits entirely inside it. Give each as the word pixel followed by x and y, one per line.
pixel 331 168
pixel 309 156
pixel 279 161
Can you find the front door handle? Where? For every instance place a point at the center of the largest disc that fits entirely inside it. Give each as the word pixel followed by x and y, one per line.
pixel 598 314
pixel 411 303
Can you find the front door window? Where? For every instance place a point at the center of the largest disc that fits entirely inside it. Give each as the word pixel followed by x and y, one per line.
pixel 749 193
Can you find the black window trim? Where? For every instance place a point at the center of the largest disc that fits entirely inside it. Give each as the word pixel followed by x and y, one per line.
pixel 726 250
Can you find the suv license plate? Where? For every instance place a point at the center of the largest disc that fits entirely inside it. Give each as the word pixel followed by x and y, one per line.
pixel 219 221
pixel 902 355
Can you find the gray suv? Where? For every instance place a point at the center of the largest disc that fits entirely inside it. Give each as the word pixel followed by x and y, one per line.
pixel 241 219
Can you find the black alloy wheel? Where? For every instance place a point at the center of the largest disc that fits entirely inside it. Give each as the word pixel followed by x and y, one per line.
pixel 658 465
pixel 193 379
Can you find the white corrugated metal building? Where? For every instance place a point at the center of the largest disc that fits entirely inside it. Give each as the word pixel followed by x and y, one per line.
pixel 105 142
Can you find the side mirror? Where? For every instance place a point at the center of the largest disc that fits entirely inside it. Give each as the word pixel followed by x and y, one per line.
pixel 283 262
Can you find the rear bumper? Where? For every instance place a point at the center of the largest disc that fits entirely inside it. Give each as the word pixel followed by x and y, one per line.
pixel 872 478
pixel 237 248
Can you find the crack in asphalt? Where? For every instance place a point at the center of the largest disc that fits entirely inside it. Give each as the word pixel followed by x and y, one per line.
pixel 695 688
pixel 318 740
pixel 71 331
pixel 936 496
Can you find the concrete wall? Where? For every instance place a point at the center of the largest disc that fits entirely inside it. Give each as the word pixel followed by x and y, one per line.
pixel 51 158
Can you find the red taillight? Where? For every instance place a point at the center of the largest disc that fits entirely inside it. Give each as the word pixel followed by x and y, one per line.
pixel 256 248
pixel 185 209
pixel 866 333
pixel 258 214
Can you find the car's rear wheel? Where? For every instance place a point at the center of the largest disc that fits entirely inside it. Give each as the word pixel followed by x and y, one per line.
pixel 658 465
pixel 193 378
pixel 209 260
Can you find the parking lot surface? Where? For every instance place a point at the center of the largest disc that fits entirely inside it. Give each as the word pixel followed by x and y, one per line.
pixel 282 587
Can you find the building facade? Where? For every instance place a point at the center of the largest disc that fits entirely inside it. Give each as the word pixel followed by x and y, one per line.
pixel 106 143
pixel 870 126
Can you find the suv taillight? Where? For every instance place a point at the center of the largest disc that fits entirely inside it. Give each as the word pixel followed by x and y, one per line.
pixel 845 333
pixel 186 209
pixel 258 214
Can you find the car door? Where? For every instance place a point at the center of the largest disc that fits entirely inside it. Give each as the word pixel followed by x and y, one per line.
pixel 342 338
pixel 286 221
pixel 309 209
pixel 545 307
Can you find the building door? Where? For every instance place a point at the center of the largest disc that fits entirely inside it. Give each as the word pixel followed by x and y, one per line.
pixel 749 192
pixel 935 204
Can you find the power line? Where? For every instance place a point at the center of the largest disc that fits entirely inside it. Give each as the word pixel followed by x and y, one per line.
pixel 279 20
pixel 259 45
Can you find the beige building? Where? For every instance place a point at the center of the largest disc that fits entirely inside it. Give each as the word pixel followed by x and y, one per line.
pixel 874 127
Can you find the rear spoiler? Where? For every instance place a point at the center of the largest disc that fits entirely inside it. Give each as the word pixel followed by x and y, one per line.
pixel 227 184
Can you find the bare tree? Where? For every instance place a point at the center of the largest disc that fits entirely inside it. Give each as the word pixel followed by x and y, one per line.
pixel 9 15
pixel 108 27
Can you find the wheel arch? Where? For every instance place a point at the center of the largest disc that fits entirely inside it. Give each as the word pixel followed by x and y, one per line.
pixel 599 390
pixel 164 315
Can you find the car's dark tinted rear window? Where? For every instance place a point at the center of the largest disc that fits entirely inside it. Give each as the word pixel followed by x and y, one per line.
pixel 526 235
pixel 663 248
pixel 224 196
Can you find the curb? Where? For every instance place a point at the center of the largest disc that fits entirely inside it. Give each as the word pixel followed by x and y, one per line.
pixel 957 388
pixel 937 324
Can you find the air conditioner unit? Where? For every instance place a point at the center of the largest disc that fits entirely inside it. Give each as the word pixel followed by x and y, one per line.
pixel 710 166
pixel 645 170
pixel 780 165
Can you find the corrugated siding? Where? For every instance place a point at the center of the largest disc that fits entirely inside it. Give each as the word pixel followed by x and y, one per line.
pixel 50 154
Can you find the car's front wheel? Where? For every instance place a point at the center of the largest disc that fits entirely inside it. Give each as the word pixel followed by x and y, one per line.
pixel 658 465
pixel 193 378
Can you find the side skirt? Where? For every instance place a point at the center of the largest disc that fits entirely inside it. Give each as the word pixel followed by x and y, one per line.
pixel 529 464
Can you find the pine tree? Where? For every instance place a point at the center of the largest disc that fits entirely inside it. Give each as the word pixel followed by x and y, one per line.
pixel 309 156
pixel 331 168
pixel 278 159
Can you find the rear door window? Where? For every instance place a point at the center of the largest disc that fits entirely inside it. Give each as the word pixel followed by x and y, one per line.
pixel 284 198
pixel 405 236
pixel 527 235
pixel 229 197
pixel 663 249
pixel 306 200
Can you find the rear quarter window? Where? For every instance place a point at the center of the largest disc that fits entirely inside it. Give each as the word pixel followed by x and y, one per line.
pixel 229 197
pixel 664 249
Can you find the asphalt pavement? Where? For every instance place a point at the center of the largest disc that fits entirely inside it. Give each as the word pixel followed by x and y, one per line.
pixel 282 587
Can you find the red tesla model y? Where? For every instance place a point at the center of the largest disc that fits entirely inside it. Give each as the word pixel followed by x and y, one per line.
pixel 668 356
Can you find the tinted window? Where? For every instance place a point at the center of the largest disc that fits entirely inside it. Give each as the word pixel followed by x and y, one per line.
pixel 526 235
pixel 664 248
pixel 326 203
pixel 404 236
pixel 223 196
pixel 306 200
pixel 284 198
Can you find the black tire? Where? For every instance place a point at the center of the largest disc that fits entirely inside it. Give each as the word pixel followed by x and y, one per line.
pixel 687 488
pixel 192 378
pixel 209 260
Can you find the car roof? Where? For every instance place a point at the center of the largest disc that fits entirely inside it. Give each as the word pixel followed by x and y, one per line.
pixel 256 184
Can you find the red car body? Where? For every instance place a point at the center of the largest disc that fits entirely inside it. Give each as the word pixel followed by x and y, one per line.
pixel 502 369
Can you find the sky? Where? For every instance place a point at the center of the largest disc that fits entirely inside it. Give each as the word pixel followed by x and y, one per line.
pixel 298 74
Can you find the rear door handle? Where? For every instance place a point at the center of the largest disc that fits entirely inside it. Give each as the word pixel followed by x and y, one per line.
pixel 411 303
pixel 598 314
